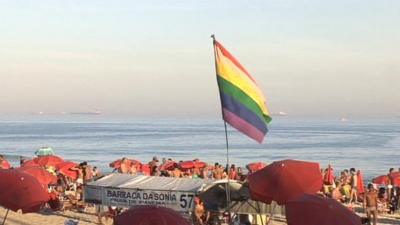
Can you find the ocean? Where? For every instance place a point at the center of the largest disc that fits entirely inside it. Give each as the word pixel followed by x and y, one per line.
pixel 373 146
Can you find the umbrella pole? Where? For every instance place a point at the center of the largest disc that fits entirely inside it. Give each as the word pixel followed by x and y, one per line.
pixel 259 213
pixel 5 217
pixel 228 191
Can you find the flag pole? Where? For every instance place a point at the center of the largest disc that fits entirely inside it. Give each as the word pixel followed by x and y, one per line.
pixel 227 188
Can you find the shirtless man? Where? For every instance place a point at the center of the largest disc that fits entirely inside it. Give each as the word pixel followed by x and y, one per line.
pixel 124 167
pixel 371 203
pixel 353 183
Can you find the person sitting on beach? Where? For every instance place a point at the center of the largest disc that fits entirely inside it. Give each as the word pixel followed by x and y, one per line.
pixel 336 192
pixel 176 172
pixel 96 172
pixel 370 203
pixel 354 184
pixel 75 200
pixel 383 200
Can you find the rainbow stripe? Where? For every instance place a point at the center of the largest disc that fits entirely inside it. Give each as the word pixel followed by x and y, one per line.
pixel 243 103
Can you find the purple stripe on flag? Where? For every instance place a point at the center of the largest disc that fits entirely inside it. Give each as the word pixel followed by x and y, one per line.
pixel 243 126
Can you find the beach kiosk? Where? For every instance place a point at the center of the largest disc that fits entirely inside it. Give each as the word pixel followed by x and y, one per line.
pixel 124 190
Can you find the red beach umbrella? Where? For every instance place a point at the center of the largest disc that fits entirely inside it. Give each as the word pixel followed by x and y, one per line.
pixel 192 164
pixel 65 169
pixel 395 178
pixel 315 210
pixel 285 180
pixel 383 180
pixel 30 162
pixel 360 183
pixel 65 165
pixel 255 166
pixel 42 175
pixel 70 173
pixel 150 215
pixel 131 162
pixel 169 166
pixel 48 160
pixel 20 190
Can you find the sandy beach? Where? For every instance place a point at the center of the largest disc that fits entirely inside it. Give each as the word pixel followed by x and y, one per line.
pixel 49 217
pixel 58 218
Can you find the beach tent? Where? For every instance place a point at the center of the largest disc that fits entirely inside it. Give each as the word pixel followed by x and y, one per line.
pixel 124 190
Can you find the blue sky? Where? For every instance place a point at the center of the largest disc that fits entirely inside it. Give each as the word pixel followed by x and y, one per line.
pixel 311 58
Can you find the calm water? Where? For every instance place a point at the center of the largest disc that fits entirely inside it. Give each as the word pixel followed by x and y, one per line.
pixel 370 145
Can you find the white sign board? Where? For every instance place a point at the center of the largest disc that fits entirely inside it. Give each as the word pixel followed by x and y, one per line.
pixel 177 200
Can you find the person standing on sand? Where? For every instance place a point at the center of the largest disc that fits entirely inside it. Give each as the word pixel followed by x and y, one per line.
pixel 353 183
pixel 390 184
pixel 370 203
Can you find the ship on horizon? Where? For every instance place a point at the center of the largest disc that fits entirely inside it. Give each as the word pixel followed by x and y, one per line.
pixel 96 112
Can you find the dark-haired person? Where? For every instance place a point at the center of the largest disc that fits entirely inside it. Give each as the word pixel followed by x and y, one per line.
pixel 370 203
pixel 353 184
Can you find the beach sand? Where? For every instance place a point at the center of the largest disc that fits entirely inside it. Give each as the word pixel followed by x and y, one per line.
pixel 49 217
pixel 89 217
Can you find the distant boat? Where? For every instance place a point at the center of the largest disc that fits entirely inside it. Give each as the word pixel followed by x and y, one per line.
pixel 96 112
pixel 280 114
pixel 344 120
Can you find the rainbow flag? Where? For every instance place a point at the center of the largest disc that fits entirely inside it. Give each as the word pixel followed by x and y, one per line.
pixel 243 103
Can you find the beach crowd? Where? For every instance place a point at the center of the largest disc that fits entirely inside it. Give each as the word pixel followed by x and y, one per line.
pixel 381 196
